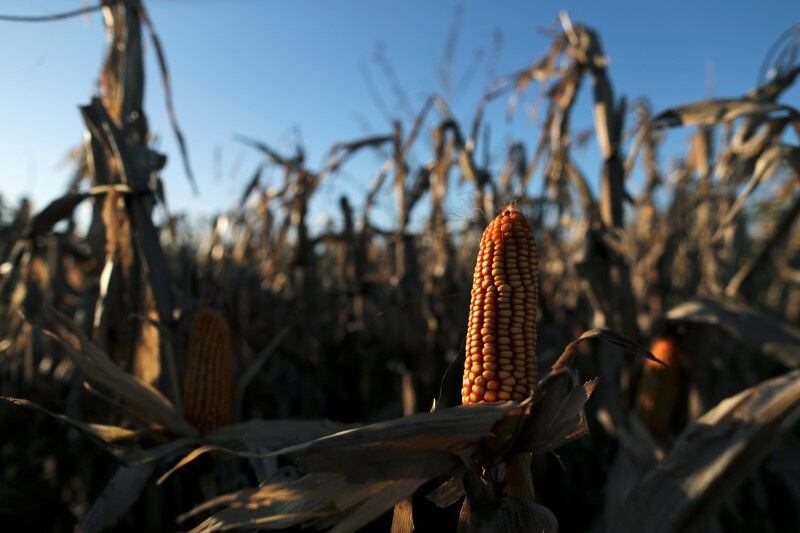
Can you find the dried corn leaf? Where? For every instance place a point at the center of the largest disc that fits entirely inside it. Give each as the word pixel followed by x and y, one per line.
pixel 434 440
pixel 768 164
pixel 321 497
pixel 708 113
pixel 251 185
pixel 715 111
pixel 750 327
pixel 441 429
pixel 379 503
pixel 557 416
pixel 605 335
pixel 448 492
pixel 267 434
pixel 143 400
pixel 121 492
pixel 105 433
pixel 259 359
pixel 274 434
pixel 383 463
pixel 53 213
pixel 711 458
pixel 170 106
pixel 162 451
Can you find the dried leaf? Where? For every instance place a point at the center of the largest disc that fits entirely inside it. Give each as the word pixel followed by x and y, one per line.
pixel 274 434
pixel 121 492
pixel 378 504
pixel 55 211
pixel 284 504
pixel 105 433
pixel 711 458
pixel 768 164
pixel 750 327
pixel 266 434
pixel 259 360
pixel 557 415
pixel 448 492
pixel 144 400
pixel 708 113
pixel 715 111
pixel 442 428
pixel 358 474
pixel 606 335
pixel 167 85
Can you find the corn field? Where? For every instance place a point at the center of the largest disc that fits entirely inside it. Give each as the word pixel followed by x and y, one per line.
pixel 584 352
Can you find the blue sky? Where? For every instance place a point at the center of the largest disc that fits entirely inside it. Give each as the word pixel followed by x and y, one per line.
pixel 276 70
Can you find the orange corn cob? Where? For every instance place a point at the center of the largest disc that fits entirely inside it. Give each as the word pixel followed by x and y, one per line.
pixel 208 384
pixel 501 335
pixel 658 387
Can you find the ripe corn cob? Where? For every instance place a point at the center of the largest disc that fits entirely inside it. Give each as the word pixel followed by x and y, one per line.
pixel 208 384
pixel 658 387
pixel 501 335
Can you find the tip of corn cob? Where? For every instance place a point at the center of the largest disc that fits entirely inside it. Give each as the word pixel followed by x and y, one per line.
pixel 501 334
pixel 667 349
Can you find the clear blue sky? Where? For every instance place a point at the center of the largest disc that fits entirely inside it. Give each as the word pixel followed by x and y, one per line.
pixel 269 69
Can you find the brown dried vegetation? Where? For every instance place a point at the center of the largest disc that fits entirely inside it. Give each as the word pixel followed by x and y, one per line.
pixel 363 320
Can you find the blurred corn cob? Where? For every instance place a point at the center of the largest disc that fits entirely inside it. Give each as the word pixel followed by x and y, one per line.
pixel 658 386
pixel 208 384
pixel 501 336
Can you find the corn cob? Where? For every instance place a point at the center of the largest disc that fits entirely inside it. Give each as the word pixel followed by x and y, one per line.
pixel 501 334
pixel 658 387
pixel 208 384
